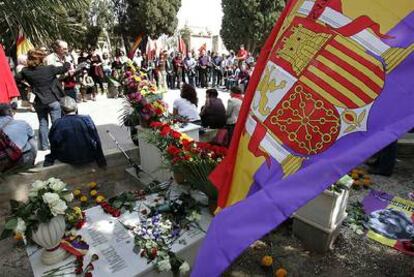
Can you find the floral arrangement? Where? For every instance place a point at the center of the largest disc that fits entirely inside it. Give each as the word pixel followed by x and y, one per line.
pixel 144 98
pixel 162 226
pixel 194 160
pixel 47 199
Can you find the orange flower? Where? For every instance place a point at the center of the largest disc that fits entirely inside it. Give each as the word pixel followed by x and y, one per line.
pixel 281 272
pixel 84 199
pixel 18 236
pixel 267 261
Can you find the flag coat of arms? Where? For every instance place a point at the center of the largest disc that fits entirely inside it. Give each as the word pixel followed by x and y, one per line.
pixel 332 86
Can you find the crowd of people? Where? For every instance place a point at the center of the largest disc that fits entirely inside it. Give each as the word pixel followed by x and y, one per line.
pixel 49 80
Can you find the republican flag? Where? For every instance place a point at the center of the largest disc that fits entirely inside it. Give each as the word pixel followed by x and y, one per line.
pixel 182 48
pixel 332 86
pixel 23 44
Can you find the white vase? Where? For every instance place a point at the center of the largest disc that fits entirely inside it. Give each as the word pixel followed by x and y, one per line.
pixel 49 236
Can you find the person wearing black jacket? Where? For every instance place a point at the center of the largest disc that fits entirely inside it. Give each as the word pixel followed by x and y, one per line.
pixel 213 114
pixel 74 138
pixel 47 88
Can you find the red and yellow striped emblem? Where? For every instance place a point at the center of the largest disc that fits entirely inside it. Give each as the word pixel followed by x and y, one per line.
pixel 344 74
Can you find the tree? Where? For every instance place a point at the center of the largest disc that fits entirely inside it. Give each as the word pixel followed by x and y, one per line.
pixel 41 20
pixel 249 22
pixel 151 17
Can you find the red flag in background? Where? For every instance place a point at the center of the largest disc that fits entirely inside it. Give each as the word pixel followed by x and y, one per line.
pixel 203 47
pixel 135 46
pixel 182 48
pixel 151 48
pixel 8 88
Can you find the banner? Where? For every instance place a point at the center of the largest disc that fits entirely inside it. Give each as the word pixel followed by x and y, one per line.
pixel 332 86
pixel 8 87
pixel 23 44
pixel 391 220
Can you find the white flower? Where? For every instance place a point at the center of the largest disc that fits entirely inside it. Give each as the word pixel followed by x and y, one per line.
pixel 56 184
pixel 58 207
pixel 36 186
pixel 50 198
pixel 164 265
pixel 184 268
pixel 20 227
pixel 68 197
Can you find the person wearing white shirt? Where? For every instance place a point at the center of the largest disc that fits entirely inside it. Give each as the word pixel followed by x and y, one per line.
pixel 186 105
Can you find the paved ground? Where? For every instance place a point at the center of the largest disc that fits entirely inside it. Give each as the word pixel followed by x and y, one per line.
pixel 106 114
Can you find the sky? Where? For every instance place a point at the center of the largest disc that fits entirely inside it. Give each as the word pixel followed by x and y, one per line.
pixel 201 13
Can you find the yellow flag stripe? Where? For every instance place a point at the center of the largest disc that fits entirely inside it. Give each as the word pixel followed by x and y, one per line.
pixel 377 80
pixel 366 89
pixel 321 92
pixel 337 86
pixel 351 46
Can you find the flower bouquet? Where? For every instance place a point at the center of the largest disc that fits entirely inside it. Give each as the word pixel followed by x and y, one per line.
pixel 145 101
pixel 194 160
pixel 41 219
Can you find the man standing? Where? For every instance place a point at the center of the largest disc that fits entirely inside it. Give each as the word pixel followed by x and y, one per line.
pixel 178 70
pixel 242 54
pixel 217 73
pixel 203 64
pixel 58 57
pixel 189 66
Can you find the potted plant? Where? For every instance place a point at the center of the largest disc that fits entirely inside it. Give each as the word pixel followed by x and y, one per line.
pixel 42 218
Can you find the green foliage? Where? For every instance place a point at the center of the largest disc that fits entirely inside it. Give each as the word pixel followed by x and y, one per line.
pixel 151 17
pixel 42 20
pixel 249 22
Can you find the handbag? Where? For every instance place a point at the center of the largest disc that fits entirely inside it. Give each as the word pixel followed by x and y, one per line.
pixel 10 153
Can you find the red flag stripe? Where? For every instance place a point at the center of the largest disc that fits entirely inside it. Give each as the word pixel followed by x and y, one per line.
pixel 374 67
pixel 351 69
pixel 343 81
pixel 329 89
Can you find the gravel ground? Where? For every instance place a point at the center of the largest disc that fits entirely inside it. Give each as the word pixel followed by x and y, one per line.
pixel 353 255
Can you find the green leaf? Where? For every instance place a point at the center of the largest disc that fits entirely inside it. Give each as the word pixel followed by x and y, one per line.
pixel 11 224
pixel 117 204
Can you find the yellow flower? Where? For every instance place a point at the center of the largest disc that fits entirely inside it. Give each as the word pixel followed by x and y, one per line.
pixel 84 198
pixel 92 185
pixel 99 199
pixel 267 261
pixel 93 193
pixel 184 136
pixel 281 272
pixel 76 192
pixel 77 210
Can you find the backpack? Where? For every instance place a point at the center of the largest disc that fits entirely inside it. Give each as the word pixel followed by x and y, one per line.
pixel 10 153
